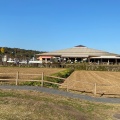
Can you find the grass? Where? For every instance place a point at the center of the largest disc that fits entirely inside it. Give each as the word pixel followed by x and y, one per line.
pixel 31 105
pixel 62 74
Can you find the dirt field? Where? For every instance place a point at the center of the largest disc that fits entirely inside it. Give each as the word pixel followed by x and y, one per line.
pixel 10 72
pixel 106 82
pixel 47 71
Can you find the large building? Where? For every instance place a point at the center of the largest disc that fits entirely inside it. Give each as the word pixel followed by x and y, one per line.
pixel 81 53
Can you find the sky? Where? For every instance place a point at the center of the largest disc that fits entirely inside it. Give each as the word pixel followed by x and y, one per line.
pixel 49 25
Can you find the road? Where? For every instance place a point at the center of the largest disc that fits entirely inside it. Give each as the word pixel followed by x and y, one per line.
pixel 62 93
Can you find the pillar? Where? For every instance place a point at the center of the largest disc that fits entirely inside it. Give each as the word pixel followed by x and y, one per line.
pixel 115 61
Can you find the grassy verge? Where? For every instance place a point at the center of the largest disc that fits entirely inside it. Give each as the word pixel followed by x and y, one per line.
pixel 61 74
pixel 29 105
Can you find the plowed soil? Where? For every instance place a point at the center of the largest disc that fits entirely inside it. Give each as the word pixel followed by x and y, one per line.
pixel 106 82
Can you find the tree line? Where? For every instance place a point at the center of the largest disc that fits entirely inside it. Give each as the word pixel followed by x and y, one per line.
pixel 18 53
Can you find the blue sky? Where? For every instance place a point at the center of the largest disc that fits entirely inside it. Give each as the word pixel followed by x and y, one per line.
pixel 48 25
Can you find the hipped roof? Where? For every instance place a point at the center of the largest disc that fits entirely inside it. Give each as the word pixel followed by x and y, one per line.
pixel 79 51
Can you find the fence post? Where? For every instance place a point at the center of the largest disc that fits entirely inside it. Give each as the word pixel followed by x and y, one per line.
pixel 17 77
pixel 42 79
pixel 67 85
pixel 95 89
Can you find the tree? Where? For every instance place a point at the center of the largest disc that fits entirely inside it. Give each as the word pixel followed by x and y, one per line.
pixel 2 50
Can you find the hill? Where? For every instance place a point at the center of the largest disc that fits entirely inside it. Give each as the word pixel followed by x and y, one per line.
pixel 20 53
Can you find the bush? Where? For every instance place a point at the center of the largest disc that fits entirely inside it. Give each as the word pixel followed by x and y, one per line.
pixel 64 74
pixel 77 66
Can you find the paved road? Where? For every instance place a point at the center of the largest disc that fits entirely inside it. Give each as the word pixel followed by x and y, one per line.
pixel 62 93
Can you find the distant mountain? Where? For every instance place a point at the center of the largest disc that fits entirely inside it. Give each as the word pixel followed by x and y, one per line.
pixel 20 53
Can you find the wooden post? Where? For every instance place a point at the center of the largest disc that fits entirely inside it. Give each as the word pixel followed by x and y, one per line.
pixel 95 89
pixel 67 86
pixel 17 77
pixel 42 82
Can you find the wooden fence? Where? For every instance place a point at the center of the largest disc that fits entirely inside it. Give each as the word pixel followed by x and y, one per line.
pixel 94 89
pixel 16 78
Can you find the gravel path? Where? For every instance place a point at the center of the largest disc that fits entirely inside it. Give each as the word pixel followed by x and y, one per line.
pixel 62 93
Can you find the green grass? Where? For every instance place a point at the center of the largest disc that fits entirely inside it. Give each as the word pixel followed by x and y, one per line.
pixel 31 105
pixel 63 74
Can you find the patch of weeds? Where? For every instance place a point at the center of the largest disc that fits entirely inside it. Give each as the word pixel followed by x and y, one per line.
pixel 6 94
pixel 62 74
pixel 31 83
